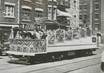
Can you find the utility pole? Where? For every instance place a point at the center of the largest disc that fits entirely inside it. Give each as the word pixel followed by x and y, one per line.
pixel 18 12
pixel 52 9
pixel 91 25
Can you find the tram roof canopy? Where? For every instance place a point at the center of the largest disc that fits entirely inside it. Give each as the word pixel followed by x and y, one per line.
pixel 52 22
pixel 4 25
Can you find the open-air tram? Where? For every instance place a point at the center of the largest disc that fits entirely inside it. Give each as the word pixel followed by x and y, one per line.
pixel 50 42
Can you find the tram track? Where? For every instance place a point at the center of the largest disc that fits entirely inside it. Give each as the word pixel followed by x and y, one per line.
pixel 46 68
pixel 38 68
pixel 39 71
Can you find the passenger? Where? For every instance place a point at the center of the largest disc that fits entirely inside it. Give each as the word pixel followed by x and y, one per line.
pixel 28 35
pixel 44 36
pixel 34 35
pixel 37 34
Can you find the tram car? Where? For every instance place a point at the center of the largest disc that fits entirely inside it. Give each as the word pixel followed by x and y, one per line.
pixel 49 43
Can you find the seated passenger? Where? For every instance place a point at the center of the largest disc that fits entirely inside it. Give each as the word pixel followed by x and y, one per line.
pixel 44 36
pixel 36 34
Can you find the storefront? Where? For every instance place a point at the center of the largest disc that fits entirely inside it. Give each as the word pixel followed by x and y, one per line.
pixel 5 32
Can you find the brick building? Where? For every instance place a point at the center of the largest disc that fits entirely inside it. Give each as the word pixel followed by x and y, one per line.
pixel 31 11
pixel 20 13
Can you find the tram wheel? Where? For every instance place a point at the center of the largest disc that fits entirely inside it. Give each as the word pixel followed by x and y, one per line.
pixel 29 60
pixel 61 57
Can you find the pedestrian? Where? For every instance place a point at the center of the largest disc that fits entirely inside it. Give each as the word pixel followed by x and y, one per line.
pixel 102 61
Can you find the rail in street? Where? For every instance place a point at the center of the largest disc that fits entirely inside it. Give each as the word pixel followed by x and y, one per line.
pixel 90 64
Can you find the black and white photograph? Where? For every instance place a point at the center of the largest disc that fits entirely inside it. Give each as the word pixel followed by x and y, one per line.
pixel 51 36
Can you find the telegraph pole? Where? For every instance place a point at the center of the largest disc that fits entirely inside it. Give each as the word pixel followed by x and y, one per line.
pixel 18 12
pixel 52 10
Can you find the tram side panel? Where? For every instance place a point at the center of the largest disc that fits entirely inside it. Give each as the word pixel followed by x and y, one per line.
pixel 32 47
pixel 26 47
pixel 35 49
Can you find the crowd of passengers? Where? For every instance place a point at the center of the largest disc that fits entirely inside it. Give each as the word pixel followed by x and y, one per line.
pixel 55 35
pixel 67 34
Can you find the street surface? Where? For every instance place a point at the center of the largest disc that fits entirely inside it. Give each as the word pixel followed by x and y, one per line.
pixel 89 64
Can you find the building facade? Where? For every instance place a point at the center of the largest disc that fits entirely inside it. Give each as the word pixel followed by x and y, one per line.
pixel 8 11
pixel 84 13
pixel 21 13
pixel 90 15
pixel 31 11
pixel 74 12
pixel 52 9
pixel 68 12
pixel 96 15
pixel 8 17
pixel 26 14
pixel 102 19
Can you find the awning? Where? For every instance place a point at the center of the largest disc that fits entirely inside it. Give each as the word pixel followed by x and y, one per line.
pixel 4 25
pixel 8 3
pixel 38 9
pixel 52 22
pixel 26 7
pixel 53 0
pixel 28 0
pixel 62 13
pixel 52 6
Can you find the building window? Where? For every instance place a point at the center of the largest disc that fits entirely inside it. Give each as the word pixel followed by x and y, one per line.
pixel 54 10
pixel 9 10
pixel 39 1
pixel 49 10
pixel 96 0
pixel 26 15
pixel 96 16
pixel 62 2
pixel 96 6
pixel 74 16
pixel 80 16
pixel 85 16
pixel 85 7
pixel 39 14
pixel 97 26
pixel 80 7
pixel 75 3
pixel 52 3
pixel 67 3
